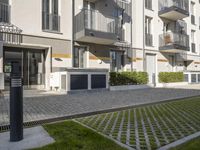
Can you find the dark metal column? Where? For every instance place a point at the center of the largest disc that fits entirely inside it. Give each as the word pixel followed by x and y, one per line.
pixel 16 105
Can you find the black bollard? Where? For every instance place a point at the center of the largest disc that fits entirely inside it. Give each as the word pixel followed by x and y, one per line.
pixel 16 108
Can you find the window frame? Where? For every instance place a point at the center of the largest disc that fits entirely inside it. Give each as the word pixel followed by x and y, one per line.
pixel 51 16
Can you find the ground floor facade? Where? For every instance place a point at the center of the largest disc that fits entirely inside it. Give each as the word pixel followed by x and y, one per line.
pixel 38 57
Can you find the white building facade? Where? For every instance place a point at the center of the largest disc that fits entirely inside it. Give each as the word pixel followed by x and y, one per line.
pixel 45 36
pixel 166 34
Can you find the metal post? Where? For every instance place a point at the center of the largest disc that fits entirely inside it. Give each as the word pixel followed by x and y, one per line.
pixel 16 105
pixel 154 79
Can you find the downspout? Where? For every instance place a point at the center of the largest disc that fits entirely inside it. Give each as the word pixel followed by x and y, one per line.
pixel 144 40
pixel 131 15
pixel 72 40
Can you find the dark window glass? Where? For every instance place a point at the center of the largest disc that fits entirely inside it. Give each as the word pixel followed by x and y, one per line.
pixel 50 20
pixel 4 11
pixel 45 6
pixel 55 7
pixel 148 4
pixel 4 1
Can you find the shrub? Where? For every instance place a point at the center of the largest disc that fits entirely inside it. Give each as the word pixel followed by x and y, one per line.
pixel 167 77
pixel 128 78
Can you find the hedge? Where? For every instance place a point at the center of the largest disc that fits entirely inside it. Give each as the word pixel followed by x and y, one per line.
pixel 128 78
pixel 169 77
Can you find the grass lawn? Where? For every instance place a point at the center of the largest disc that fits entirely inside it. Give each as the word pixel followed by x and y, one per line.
pixel 191 145
pixel 70 135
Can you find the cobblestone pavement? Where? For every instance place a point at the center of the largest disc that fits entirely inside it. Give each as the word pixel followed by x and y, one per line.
pixel 46 107
pixel 149 127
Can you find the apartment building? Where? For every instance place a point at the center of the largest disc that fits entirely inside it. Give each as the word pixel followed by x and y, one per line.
pixel 36 38
pixel 166 36
pixel 44 36
pixel 102 34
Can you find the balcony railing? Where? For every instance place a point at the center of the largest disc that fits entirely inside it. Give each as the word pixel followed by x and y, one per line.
pixel 181 4
pixel 124 4
pixel 10 34
pixel 93 20
pixel 50 22
pixel 4 13
pixel 10 38
pixel 174 39
pixel 180 27
pixel 149 39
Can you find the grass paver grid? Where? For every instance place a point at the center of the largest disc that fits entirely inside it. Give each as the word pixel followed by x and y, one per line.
pixel 149 127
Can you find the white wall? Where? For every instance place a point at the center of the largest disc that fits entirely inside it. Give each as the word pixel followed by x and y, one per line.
pixel 27 15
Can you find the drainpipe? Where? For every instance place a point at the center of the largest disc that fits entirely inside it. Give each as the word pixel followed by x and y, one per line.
pixel 72 41
pixel 143 47
pixel 131 35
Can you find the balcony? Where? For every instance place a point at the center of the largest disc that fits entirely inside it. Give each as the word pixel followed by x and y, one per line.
pixel 10 34
pixel 94 27
pixel 174 9
pixel 173 42
pixel 4 13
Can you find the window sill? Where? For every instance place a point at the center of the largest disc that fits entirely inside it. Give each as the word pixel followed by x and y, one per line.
pixel 194 24
pixel 150 9
pixel 150 46
pixel 54 32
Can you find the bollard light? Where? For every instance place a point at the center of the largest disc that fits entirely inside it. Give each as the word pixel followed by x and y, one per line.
pixel 16 107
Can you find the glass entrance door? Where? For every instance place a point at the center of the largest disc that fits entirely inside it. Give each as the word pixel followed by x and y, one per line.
pixel 31 65
pixel 11 57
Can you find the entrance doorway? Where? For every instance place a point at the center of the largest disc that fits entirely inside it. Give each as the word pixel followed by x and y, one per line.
pixel 31 65
pixel 117 60
pixel 151 67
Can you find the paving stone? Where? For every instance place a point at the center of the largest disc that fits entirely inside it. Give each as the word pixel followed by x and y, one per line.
pixel 46 107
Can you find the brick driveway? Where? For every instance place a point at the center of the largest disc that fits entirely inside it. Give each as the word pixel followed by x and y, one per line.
pixel 46 107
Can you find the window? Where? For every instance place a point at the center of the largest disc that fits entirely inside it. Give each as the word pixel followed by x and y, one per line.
pixel 79 57
pixel 193 36
pixel 50 15
pixel 193 46
pixel 148 28
pixel 148 4
pixel 148 25
pixel 4 1
pixel 192 10
pixel 4 11
pixel 45 15
pixel 199 22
